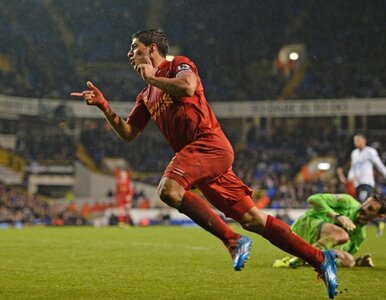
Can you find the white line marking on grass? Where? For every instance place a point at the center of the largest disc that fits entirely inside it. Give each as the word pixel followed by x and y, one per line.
pixel 171 246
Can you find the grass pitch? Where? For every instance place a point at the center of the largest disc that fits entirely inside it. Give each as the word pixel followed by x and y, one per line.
pixel 163 263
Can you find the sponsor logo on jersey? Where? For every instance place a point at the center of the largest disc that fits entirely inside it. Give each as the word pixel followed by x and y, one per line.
pixel 164 101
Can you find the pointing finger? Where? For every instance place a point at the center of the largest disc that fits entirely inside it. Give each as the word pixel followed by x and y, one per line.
pixel 93 87
pixel 77 94
pixel 90 85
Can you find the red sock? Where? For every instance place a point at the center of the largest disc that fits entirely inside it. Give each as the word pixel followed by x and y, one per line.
pixel 200 212
pixel 281 235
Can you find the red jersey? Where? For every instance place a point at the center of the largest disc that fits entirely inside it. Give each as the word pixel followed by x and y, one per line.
pixel 182 120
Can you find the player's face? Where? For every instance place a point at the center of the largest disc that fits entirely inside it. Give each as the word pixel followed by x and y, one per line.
pixel 137 52
pixel 369 210
pixel 359 141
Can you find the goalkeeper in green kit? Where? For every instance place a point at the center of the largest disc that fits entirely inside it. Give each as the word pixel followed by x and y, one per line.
pixel 337 221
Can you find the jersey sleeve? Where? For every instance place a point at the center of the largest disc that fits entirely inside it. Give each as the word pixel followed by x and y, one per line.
pixel 182 65
pixel 377 162
pixel 325 203
pixel 139 116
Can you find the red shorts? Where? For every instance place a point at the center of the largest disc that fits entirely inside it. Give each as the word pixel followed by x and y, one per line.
pixel 211 171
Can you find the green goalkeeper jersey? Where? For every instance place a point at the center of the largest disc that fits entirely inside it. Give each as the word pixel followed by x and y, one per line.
pixel 308 225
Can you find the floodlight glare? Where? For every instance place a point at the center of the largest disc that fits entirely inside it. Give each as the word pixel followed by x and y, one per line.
pixel 294 56
pixel 324 166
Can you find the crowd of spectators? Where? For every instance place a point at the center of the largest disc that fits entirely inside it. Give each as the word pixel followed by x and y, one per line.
pixel 269 161
pixel 50 48
pixel 273 165
pixel 41 65
pixel 18 209
pixel 39 139
pixel 149 153
pixel 344 50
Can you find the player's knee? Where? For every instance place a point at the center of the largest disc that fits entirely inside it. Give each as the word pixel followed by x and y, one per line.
pixel 253 221
pixel 341 237
pixel 337 234
pixel 170 195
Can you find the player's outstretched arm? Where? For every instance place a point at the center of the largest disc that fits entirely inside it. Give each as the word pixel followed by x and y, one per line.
pixel 94 97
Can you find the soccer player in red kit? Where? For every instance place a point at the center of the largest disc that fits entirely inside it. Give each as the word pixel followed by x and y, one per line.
pixel 174 99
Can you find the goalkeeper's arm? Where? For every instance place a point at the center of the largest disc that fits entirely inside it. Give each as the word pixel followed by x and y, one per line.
pixel 323 203
pixel 326 203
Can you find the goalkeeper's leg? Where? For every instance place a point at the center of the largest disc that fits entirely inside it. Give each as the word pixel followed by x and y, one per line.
pixel 345 259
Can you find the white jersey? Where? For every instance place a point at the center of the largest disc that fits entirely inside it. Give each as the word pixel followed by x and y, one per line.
pixel 362 166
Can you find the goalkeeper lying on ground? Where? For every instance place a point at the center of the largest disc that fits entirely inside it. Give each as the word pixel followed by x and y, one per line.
pixel 338 222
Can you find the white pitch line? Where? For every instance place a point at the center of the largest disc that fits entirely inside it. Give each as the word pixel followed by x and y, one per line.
pixel 198 248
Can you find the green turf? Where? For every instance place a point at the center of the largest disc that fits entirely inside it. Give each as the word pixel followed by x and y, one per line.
pixel 162 263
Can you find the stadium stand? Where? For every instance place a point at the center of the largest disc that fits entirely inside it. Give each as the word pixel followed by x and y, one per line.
pixel 17 208
pixel 64 49
pixel 48 48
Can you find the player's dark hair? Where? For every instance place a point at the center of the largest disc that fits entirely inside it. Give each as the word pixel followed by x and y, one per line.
pixel 360 133
pixel 156 36
pixel 382 200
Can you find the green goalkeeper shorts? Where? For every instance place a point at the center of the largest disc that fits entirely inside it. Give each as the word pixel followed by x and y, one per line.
pixel 308 228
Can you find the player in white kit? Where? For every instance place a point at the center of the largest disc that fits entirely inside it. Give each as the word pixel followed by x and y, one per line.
pixel 361 173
